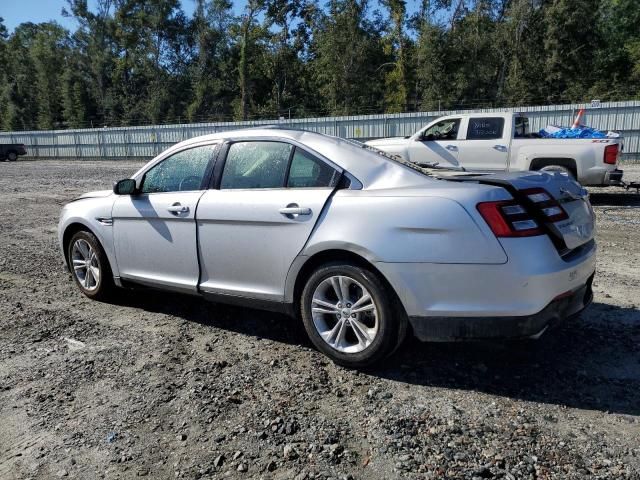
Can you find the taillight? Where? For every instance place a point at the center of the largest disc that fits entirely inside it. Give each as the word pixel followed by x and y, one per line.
pixel 550 207
pixel 508 219
pixel 611 154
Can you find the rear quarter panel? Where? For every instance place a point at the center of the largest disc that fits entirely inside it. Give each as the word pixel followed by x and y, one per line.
pixel 587 153
pixel 387 228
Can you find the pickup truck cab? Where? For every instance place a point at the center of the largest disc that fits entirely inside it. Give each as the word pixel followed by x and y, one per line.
pixel 502 142
pixel 9 152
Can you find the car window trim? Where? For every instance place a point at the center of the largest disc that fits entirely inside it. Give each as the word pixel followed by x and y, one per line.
pixel 288 170
pixel 208 171
pixel 221 160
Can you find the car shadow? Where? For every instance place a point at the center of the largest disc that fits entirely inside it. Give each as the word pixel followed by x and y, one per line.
pixel 591 362
pixel 618 199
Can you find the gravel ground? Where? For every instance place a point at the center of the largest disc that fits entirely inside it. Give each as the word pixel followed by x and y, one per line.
pixel 169 386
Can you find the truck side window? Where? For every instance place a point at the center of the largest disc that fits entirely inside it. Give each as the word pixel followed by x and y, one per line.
pixel 444 130
pixel 488 128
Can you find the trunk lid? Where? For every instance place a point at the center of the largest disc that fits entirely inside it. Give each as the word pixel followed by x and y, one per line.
pixel 568 234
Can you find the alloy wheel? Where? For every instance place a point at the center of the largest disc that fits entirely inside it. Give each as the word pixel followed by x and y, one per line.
pixel 85 264
pixel 344 314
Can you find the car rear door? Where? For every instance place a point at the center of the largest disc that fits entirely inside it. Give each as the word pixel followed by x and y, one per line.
pixel 486 143
pixel 266 198
pixel 154 230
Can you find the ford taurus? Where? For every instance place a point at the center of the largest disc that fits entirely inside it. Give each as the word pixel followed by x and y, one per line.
pixel 363 247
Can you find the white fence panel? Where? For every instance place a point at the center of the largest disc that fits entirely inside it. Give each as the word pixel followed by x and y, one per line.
pixel 148 141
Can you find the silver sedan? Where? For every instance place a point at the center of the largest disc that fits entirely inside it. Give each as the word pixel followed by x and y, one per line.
pixel 361 246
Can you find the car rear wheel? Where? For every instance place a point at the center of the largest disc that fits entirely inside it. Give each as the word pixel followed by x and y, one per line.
pixel 89 266
pixel 350 315
pixel 12 156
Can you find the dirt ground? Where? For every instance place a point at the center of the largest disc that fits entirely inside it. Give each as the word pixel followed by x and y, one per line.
pixel 169 386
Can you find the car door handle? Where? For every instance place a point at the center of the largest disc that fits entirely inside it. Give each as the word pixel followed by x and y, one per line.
pixel 452 148
pixel 177 209
pixel 500 148
pixel 291 210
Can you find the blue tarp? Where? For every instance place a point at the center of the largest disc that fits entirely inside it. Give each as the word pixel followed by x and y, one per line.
pixel 581 132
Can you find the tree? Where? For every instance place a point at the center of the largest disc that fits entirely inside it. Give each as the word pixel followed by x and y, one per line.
pixel 283 63
pixel 521 75
pixel 569 46
pixel 346 56
pixel 395 46
pixel 209 90
pixel 149 58
pixel 249 33
pixel 143 61
pixel 94 57
pixel 432 89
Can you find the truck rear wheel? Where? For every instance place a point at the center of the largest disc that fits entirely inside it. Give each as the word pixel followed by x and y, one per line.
pixel 559 169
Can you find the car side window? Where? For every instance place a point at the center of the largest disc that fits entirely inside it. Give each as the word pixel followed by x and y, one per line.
pixel 489 128
pixel 181 171
pixel 444 130
pixel 306 171
pixel 256 165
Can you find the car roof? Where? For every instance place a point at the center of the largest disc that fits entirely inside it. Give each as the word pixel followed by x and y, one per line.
pixel 371 169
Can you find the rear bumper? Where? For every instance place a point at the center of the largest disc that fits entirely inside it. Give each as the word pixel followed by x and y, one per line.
pixel 512 295
pixel 450 329
pixel 614 177
pixel 600 176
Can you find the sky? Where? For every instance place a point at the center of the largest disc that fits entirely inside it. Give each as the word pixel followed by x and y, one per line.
pixel 16 12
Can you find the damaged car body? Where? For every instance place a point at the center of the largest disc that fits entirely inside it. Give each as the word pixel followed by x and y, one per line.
pixel 363 247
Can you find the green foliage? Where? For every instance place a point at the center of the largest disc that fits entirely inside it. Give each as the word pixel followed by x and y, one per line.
pixel 345 58
pixel 143 61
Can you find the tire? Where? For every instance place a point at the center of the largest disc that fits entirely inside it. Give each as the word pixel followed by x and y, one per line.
pixel 559 169
pixel 85 246
pixel 353 339
pixel 12 156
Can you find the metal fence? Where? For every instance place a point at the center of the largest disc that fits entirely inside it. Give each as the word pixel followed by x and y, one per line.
pixel 148 141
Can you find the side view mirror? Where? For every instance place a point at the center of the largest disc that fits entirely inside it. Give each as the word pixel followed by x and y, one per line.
pixel 425 138
pixel 125 187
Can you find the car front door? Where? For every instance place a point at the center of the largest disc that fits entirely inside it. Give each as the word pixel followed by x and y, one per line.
pixel 486 144
pixel 256 220
pixel 438 143
pixel 154 230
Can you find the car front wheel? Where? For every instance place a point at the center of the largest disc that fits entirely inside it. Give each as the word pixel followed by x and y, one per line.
pixel 89 266
pixel 350 315
pixel 12 157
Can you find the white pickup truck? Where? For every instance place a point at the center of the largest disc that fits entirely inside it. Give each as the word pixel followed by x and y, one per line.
pixel 502 142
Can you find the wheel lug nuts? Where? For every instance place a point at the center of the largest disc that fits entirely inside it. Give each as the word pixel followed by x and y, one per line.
pixel 353 315
pixel 339 305
pixel 348 305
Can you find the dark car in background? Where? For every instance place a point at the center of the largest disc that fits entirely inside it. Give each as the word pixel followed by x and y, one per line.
pixel 11 151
